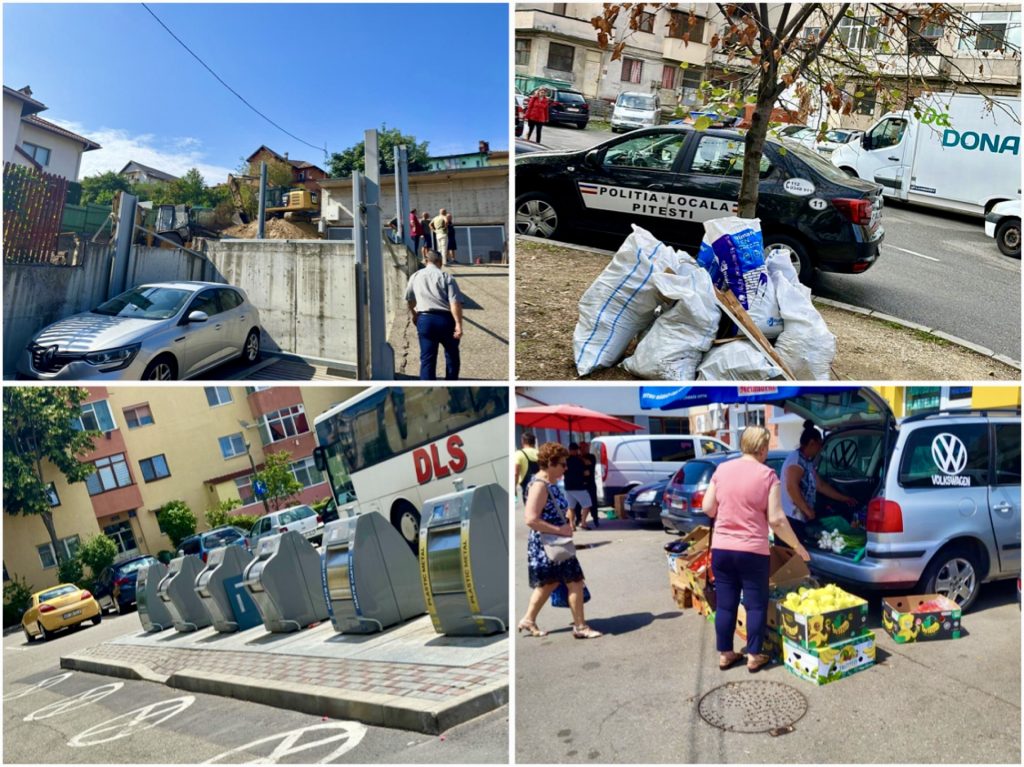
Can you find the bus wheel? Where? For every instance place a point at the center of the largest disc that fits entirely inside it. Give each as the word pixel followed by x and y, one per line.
pixel 406 520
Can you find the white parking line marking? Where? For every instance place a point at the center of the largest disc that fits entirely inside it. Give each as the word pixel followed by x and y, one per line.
pixel 39 686
pixel 350 734
pixel 81 700
pixel 919 255
pixel 134 721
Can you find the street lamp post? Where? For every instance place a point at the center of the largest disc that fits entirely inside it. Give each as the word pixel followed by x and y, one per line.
pixel 246 425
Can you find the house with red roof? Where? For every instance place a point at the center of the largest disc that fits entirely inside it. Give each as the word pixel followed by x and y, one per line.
pixel 303 173
pixel 37 143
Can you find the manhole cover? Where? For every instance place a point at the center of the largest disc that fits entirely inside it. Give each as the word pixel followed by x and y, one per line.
pixel 752 706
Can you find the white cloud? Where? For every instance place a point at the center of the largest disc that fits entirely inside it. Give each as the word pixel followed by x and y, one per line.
pixel 172 155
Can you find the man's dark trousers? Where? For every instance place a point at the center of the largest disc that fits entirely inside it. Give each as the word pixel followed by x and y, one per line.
pixel 436 328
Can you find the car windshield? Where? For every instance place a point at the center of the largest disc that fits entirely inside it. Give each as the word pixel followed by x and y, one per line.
pixel 138 564
pixel 145 303
pixel 568 97
pixel 60 591
pixel 190 546
pixel 636 101
pixel 220 537
pixel 838 136
pixel 817 163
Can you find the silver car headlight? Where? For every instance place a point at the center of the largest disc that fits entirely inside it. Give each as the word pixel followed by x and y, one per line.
pixel 647 496
pixel 109 360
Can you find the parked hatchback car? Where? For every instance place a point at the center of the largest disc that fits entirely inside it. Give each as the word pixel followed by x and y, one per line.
pixel 158 331
pixel 941 490
pixel 301 518
pixel 643 503
pixel 684 492
pixel 58 608
pixel 568 107
pixel 672 178
pixel 114 589
pixel 202 544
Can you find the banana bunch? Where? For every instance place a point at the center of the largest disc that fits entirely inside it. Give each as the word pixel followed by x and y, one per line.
pixel 823 600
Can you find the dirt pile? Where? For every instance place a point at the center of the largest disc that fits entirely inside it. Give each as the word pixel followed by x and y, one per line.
pixel 275 229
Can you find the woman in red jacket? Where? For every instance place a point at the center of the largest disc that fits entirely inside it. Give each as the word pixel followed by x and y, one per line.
pixel 537 112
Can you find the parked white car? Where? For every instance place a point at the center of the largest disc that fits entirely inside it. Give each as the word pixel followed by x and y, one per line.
pixel 1003 223
pixel 301 518
pixel 835 138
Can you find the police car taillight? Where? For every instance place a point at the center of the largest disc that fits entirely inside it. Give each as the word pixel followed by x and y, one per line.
pixel 857 210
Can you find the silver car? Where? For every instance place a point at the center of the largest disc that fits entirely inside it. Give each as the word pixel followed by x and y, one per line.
pixel 162 331
pixel 301 518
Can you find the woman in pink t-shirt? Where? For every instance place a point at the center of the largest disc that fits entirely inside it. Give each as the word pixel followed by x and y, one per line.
pixel 743 499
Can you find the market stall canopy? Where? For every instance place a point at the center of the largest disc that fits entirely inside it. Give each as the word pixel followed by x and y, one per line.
pixel 572 418
pixel 828 406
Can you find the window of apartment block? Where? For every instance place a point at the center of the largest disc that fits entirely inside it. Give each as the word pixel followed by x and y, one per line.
pixel 48 559
pixel 560 57
pixel 679 25
pixel 95 416
pixel 632 70
pixel 669 425
pixel 646 22
pixel 111 473
pixel 139 415
pixel 121 533
pixel 689 85
pixel 866 104
pixel 217 395
pixel 923 38
pixel 668 76
pixel 38 153
pixel 558 8
pixel 992 30
pixel 232 445
pixel 306 473
pixel 860 33
pixel 523 46
pixel 283 423
pixel 51 494
pixel 245 491
pixel 154 468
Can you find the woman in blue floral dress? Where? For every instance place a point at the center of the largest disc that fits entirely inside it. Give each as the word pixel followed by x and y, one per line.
pixel 546 508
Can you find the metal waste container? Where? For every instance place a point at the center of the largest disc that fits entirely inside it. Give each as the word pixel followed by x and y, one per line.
pixel 284 581
pixel 369 575
pixel 219 586
pixel 178 594
pixel 152 613
pixel 464 560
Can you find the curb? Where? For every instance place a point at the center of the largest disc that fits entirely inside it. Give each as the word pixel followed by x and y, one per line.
pixel 973 347
pixel 398 712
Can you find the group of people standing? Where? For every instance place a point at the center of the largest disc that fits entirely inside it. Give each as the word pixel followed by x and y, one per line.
pixel 437 233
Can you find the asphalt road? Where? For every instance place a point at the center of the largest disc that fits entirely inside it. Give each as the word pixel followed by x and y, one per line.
pixel 632 695
pixel 88 718
pixel 937 269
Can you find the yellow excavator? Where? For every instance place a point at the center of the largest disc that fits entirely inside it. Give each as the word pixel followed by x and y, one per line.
pixel 293 203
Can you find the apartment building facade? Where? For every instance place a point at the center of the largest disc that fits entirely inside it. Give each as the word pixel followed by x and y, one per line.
pixel 556 43
pixel 197 445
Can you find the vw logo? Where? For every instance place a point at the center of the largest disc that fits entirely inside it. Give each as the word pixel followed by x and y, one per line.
pixel 949 453
pixel 844 454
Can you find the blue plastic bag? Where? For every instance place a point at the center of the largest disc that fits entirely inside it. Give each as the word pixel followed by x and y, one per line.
pixel 560 596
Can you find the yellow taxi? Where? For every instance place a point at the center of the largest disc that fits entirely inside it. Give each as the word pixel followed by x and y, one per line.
pixel 57 608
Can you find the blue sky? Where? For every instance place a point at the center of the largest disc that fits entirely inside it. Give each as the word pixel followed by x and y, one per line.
pixel 323 72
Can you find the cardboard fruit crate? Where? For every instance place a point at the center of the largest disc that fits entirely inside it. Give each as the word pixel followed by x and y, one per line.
pixel 822 665
pixel 905 621
pixel 682 597
pixel 825 628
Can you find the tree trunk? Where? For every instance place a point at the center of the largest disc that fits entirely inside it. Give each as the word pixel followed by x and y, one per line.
pixel 754 145
pixel 58 550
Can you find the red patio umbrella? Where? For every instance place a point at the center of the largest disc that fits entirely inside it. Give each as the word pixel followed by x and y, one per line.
pixel 572 418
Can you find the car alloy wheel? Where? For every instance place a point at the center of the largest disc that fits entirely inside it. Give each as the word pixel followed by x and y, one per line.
pixel 160 371
pixel 957 580
pixel 43 633
pixel 537 218
pixel 252 346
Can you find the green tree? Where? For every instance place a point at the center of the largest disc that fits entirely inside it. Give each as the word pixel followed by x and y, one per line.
pixel 97 552
pixel 277 476
pixel 100 189
pixel 342 164
pixel 17 596
pixel 219 515
pixel 41 424
pixel 177 520
pixel 70 571
pixel 279 173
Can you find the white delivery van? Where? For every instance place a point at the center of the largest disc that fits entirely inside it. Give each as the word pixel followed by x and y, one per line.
pixel 627 461
pixel 635 110
pixel 961 152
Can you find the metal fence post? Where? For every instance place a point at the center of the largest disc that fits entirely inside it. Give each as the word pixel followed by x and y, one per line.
pixel 359 240
pixel 402 192
pixel 263 201
pixel 382 365
pixel 123 245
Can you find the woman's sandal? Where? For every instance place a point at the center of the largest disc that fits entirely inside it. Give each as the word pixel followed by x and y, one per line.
pixel 735 660
pixel 758 661
pixel 585 632
pixel 530 628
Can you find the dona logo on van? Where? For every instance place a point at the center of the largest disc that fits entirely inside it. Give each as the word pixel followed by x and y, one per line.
pixel 982 142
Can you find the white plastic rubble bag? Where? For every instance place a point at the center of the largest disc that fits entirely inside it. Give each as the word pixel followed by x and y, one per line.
pixel 732 251
pixel 622 301
pixel 676 342
pixel 805 344
pixel 737 361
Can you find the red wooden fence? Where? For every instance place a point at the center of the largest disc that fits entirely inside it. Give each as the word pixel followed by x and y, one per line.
pixel 33 207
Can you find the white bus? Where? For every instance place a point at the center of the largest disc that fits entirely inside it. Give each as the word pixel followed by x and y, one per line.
pixel 392 448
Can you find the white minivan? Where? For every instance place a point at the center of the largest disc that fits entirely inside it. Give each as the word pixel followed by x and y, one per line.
pixel 628 461
pixel 635 110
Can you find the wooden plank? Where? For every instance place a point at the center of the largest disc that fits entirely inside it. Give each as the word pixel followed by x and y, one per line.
pixel 732 307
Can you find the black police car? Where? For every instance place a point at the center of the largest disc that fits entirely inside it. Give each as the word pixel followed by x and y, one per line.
pixel 671 178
